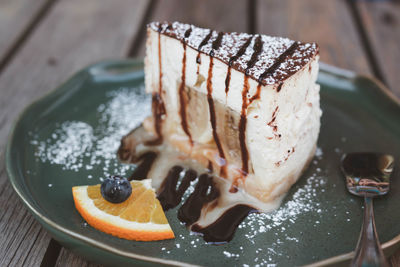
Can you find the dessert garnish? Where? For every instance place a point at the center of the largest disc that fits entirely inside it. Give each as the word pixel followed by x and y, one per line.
pixel 140 217
pixel 116 189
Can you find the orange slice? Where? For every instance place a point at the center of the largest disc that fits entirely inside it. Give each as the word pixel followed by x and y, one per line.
pixel 140 217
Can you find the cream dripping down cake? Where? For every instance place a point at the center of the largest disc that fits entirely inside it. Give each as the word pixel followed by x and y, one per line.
pixel 244 106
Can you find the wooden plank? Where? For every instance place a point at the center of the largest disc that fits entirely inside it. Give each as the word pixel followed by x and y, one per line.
pixel 329 23
pixel 16 18
pixel 212 14
pixel 381 21
pixel 23 241
pixel 67 259
pixel 74 34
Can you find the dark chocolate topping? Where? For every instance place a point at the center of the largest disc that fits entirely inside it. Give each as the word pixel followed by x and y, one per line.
pixel 279 86
pixel 279 58
pixel 158 106
pixel 258 44
pixel 216 44
pixel 188 32
pixel 146 161
pixel 158 109
pixel 169 196
pixel 227 80
pixel 279 61
pixel 240 51
pixel 205 40
pixel 223 229
pixel 204 192
pixel 242 128
pixel 182 97
pixel 213 119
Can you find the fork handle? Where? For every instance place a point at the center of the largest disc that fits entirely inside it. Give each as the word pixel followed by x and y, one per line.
pixel 369 252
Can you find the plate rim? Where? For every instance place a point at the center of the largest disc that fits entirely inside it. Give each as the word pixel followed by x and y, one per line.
pixel 46 222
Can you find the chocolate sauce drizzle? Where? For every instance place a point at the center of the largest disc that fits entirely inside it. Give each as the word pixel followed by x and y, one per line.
pixel 182 99
pixel 278 89
pixel 242 128
pixel 169 195
pixel 205 40
pixel 203 43
pixel 188 32
pixel 216 44
pixel 227 80
pixel 158 109
pixel 146 161
pixel 204 192
pixel 257 94
pixel 213 118
pixel 239 53
pixel 272 122
pixel 278 62
pixel 210 167
pixel 158 106
pixel 257 48
pixel 223 229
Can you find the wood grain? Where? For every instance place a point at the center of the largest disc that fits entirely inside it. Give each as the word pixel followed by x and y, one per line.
pixel 381 20
pixel 329 23
pixel 74 34
pixel 23 240
pixel 212 14
pixel 16 19
pixel 67 259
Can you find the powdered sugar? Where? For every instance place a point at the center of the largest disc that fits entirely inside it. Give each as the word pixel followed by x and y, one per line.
pixel 75 142
pixel 67 145
pixel 302 201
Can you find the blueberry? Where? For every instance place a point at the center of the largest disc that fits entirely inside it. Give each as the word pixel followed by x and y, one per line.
pixel 116 189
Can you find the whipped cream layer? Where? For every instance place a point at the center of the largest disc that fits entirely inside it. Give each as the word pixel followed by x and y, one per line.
pixel 257 130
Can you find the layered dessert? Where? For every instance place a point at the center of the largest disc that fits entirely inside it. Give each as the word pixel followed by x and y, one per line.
pixel 244 106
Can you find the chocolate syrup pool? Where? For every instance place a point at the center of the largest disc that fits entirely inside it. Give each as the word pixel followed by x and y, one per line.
pixel 211 208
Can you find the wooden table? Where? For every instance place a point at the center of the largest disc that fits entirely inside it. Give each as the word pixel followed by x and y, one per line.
pixel 43 42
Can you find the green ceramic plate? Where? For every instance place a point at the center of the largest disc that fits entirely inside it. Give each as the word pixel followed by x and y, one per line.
pixel 70 136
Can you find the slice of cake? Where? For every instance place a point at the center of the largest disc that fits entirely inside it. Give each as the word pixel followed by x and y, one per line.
pixel 245 106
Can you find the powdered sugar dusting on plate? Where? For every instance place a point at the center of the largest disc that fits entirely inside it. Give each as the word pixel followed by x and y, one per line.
pixel 74 142
pixel 66 145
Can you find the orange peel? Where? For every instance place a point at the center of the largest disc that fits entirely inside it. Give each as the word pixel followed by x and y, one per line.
pixel 140 217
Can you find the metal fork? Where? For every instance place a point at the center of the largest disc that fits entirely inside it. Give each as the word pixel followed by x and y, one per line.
pixel 367 175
